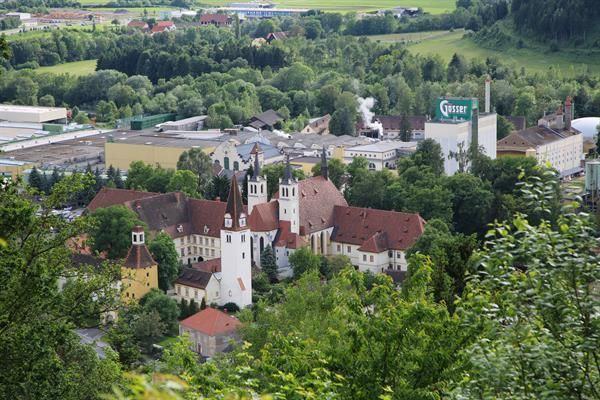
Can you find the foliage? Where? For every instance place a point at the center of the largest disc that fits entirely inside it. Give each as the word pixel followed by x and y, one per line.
pixel 166 307
pixel 165 254
pixel 268 263
pixel 40 354
pixel 336 171
pixel 200 164
pixel 111 231
pixel 303 261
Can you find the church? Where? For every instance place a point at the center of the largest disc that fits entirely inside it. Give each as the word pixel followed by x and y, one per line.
pixel 221 241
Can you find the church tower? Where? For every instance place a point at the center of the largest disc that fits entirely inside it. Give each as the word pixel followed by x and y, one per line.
pixel 324 165
pixel 139 272
pixel 289 209
pixel 257 185
pixel 236 276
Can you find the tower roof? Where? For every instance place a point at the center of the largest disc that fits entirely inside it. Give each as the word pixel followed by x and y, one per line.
pixel 138 256
pixel 287 172
pixel 255 151
pixel 324 166
pixel 235 207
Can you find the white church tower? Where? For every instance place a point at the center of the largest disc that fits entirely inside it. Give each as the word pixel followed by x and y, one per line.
pixel 236 275
pixel 257 184
pixel 289 209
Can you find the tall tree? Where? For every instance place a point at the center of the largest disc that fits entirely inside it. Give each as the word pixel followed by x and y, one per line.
pixel 268 263
pixel 165 254
pixel 198 162
pixel 111 231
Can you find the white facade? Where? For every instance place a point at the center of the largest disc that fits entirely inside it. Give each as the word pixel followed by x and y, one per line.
pixel 450 134
pixel 196 248
pixel 373 262
pixel 257 191
pixel 38 115
pixel 563 155
pixel 210 294
pixel 379 155
pixel 289 204
pixel 236 275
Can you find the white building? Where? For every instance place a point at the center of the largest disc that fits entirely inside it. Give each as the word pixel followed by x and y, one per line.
pixel 235 156
pixel 31 114
pixel 380 155
pixel 449 134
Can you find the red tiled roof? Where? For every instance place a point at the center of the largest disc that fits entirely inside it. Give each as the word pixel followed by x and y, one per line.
pixel 165 24
pixel 212 322
pixel 138 256
pixel 212 266
pixel 107 197
pixel 318 197
pixel 219 19
pixel 354 225
pixel 137 24
pixel 194 277
pixel 376 243
pixel 264 217
pixel 286 238
pixel 207 216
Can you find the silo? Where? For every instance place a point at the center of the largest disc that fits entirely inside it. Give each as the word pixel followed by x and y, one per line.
pixel 592 178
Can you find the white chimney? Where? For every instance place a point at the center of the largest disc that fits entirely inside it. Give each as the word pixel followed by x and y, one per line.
pixel 487 94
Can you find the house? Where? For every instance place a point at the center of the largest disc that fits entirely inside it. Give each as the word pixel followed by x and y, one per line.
pixel 272 36
pixel 382 154
pixel 265 120
pixel 309 213
pixel 319 126
pixel 391 126
pixel 163 26
pixel 139 272
pixel 553 141
pixel 138 24
pixel 198 282
pixel 211 331
pixel 236 156
pixel 215 19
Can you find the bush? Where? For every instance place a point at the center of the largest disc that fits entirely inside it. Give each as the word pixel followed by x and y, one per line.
pixel 231 307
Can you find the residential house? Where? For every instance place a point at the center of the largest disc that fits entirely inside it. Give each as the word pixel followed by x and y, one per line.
pixel 265 120
pixel 215 19
pixel 138 25
pixel 272 36
pixel 139 272
pixel 319 126
pixel 211 331
pixel 163 26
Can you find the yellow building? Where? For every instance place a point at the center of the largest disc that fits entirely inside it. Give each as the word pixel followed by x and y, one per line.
pixel 139 273
pixel 11 168
pixel 154 151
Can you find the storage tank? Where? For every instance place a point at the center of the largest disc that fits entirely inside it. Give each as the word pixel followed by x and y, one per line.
pixel 592 177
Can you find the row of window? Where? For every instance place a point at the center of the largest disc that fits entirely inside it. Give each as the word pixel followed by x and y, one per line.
pixel 254 188
pixel 197 250
pixel 192 240
pixel 197 294
pixel 349 250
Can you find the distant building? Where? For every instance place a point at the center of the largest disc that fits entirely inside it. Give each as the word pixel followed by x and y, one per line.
pixel 12 168
pixel 272 36
pixel 137 24
pixel 186 124
pixel 235 156
pixel 211 331
pixel 216 19
pixel 139 273
pixel 553 141
pixel 163 26
pixel 32 114
pixel 391 126
pixel 199 283
pixel 380 155
pixel 319 126
pixel 265 120
pixel 258 12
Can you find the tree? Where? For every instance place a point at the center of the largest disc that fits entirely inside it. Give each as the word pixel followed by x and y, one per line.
pixel 106 111
pixel 471 203
pixel 505 127
pixel 198 162
pixel 304 261
pixel 405 129
pixel 336 170
pixel 268 263
pixel 219 188
pixel 35 180
pixel 343 119
pixel 148 327
pixel 264 27
pixel 184 181
pixel 429 153
pixel 165 254
pixel 41 356
pixel 46 101
pixel 111 231
pixel 165 306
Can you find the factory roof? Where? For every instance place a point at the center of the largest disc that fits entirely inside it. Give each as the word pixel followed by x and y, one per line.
pixel 27 109
pixel 385 146
pixel 532 138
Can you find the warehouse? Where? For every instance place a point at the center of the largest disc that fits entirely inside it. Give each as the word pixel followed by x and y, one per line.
pixel 12 113
pixel 187 124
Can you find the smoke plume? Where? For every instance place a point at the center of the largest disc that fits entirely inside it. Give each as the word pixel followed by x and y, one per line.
pixel 364 107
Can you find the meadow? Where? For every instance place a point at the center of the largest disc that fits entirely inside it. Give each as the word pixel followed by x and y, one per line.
pixel 533 59
pixel 76 68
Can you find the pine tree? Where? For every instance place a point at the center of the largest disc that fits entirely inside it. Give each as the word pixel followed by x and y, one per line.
pixel 183 309
pixel 54 179
pixel 99 181
pixel 118 179
pixel 35 179
pixel 405 129
pixel 268 263
pixel 193 307
pixel 203 304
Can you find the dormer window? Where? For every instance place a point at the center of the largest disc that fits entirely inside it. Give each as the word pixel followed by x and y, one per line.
pixel 228 221
pixel 243 220
pixel 179 228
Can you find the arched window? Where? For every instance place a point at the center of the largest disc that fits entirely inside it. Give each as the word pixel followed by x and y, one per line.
pixel 236 166
pixel 262 245
pixel 312 243
pixel 226 163
pixel 228 221
pixel 323 240
pixel 251 248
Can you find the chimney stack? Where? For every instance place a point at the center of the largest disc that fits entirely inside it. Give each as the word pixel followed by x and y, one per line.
pixel 568 113
pixel 487 94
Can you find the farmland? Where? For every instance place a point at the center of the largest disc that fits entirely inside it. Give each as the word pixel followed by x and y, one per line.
pixel 76 68
pixel 533 59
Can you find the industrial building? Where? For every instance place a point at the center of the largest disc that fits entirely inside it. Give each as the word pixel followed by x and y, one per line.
pixel 380 155
pixel 10 168
pixel 553 141
pixel 29 114
pixel 187 124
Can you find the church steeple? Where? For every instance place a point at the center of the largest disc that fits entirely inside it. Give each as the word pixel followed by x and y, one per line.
pixel 235 218
pixel 256 152
pixel 287 173
pixel 324 166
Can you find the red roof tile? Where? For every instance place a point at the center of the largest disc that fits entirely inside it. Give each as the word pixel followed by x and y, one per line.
pixel 139 256
pixel 264 217
pixel 354 225
pixel 207 216
pixel 286 238
pixel 318 197
pixel 107 197
pixel 212 322
pixel 218 19
pixel 194 277
pixel 376 243
pixel 213 265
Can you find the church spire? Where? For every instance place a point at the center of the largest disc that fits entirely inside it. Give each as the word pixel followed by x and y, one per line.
pixel 287 173
pixel 255 151
pixel 324 166
pixel 234 212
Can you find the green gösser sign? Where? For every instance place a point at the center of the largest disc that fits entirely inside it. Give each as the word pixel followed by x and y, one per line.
pixel 448 108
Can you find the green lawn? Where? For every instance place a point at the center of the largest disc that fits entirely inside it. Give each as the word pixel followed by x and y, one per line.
pixel 76 68
pixel 432 6
pixel 446 43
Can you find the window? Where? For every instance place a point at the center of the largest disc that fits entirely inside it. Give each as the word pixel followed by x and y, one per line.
pixel 348 249
pixel 339 248
pixel 133 295
pixel 212 242
pixel 182 241
pixel 195 293
pixel 212 252
pixel 390 254
pixel 178 289
pixel 127 294
pixel 228 238
pixel 371 258
pixel 236 166
pixel 243 256
pixel 398 255
pixel 364 257
pixel 182 252
pixel 187 292
pixel 243 238
pixel 147 274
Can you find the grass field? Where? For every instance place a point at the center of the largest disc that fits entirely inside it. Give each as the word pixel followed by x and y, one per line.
pixel 446 43
pixel 76 68
pixel 432 6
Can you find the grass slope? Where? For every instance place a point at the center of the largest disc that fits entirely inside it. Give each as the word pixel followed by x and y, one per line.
pixel 431 6
pixel 76 68
pixel 534 59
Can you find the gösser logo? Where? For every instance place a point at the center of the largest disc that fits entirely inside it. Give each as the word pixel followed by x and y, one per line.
pixel 447 108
